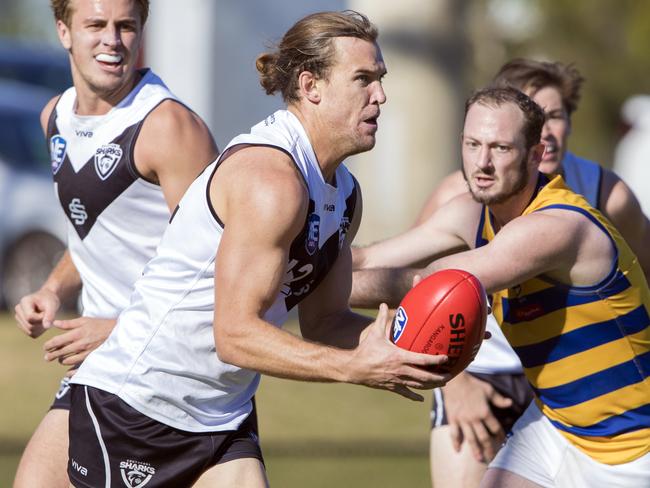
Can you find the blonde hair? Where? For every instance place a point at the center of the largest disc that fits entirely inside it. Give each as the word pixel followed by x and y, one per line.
pixel 308 46
pixel 63 10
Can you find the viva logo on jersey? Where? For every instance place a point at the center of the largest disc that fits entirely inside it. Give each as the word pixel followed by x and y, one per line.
pixel 106 159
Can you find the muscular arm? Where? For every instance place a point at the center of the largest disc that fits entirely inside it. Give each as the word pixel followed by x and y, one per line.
pixel 564 245
pixel 561 244
pixel 263 203
pixel 450 187
pixel 373 286
pixel 624 211
pixel 174 146
pixel 450 229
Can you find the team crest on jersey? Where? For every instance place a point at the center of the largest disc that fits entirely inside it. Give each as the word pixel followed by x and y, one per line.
pixel 106 159
pixel 399 323
pixel 57 152
pixel 136 473
pixel 311 244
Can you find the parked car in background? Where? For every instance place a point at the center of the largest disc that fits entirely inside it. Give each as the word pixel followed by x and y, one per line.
pixel 32 224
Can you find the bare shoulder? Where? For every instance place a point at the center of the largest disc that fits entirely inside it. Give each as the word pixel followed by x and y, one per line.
pixel 461 211
pixel 548 219
pixel 617 199
pixel 622 208
pixel 47 112
pixel 462 202
pixel 549 231
pixel 450 187
pixel 173 134
pixel 171 116
pixel 263 182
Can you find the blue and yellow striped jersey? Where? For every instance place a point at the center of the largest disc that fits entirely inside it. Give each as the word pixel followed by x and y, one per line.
pixel 585 350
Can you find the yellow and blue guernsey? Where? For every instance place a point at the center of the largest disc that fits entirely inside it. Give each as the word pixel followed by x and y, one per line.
pixel 585 350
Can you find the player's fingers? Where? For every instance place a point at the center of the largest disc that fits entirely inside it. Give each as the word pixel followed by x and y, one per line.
pixel 422 359
pixel 32 329
pixel 493 426
pixel 416 279
pixel 24 307
pixel 424 379
pixel 499 400
pixel 456 435
pixel 49 308
pixel 74 359
pixel 484 440
pixel 405 392
pixel 424 383
pixel 382 320
pixel 66 324
pixel 22 324
pixel 18 312
pixel 62 352
pixel 471 439
pixel 26 312
pixel 57 342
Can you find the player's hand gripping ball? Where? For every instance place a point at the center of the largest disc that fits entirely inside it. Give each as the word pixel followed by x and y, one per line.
pixel 443 314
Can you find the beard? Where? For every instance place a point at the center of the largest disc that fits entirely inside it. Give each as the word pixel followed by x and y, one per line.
pixel 505 193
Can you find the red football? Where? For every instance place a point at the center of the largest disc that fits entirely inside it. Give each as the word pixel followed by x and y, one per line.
pixel 443 314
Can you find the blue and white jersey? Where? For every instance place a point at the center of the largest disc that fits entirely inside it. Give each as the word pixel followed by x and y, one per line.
pixel 115 217
pixel 161 358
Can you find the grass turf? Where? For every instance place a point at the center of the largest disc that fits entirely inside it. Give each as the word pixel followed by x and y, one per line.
pixel 316 435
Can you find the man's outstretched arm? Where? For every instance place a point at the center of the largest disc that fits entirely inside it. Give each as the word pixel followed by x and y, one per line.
pixel 263 208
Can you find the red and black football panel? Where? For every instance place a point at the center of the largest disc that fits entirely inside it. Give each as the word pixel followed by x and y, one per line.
pixel 447 313
pixel 421 304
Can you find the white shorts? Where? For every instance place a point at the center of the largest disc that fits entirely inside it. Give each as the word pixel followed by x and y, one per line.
pixel 538 452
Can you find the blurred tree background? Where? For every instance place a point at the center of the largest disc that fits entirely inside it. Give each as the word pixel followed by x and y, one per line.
pixel 608 40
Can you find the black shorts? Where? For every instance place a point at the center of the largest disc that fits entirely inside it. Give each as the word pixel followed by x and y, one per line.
pixel 513 386
pixel 62 402
pixel 62 396
pixel 111 444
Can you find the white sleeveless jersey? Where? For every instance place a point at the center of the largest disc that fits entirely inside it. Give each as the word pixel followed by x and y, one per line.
pixel 161 357
pixel 115 217
pixel 495 356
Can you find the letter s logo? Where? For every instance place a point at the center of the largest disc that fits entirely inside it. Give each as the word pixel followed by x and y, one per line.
pixel 456 321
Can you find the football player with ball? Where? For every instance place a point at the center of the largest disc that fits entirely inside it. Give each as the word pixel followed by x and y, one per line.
pixel 169 394
pixel 569 294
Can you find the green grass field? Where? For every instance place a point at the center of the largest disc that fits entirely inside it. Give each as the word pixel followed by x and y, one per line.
pixel 313 435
